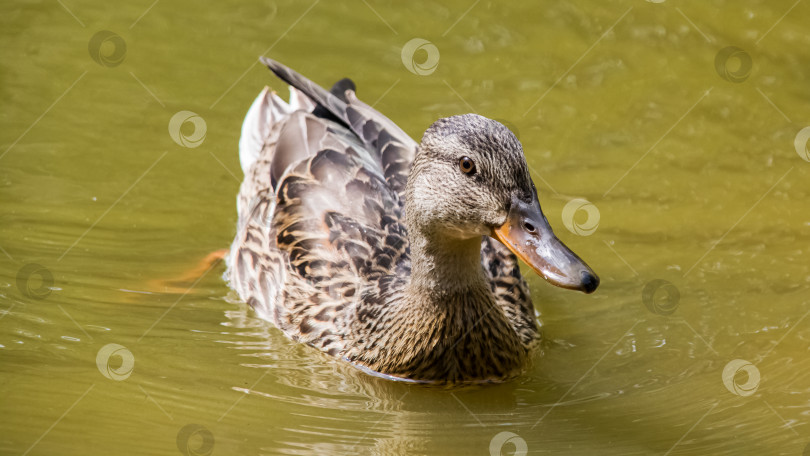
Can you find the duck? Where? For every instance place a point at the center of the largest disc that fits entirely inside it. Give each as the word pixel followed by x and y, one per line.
pixel 401 258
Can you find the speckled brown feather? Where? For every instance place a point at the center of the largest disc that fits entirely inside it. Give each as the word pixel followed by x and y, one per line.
pixel 323 252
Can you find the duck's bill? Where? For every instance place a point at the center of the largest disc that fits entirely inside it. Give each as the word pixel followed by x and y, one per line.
pixel 528 235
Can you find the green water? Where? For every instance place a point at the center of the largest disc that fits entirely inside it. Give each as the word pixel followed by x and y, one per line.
pixel 695 180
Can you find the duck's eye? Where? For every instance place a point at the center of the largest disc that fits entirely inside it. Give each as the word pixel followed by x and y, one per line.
pixel 467 165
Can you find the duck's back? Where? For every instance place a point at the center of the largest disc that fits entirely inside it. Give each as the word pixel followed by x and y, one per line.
pixel 321 214
pixel 321 206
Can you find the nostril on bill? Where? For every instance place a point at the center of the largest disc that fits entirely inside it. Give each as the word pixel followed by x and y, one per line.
pixel 528 227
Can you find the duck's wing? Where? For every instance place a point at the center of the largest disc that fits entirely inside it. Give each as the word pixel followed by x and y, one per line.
pixel 394 149
pixel 320 212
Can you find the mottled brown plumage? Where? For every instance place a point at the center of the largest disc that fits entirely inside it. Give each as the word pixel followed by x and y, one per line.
pixel 356 240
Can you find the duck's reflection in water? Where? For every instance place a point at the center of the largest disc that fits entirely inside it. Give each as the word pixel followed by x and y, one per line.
pixel 322 405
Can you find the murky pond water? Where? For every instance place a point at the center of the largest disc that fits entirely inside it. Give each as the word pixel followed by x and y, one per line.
pixel 666 140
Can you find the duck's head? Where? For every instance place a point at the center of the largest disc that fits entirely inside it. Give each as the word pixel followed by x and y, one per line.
pixel 469 179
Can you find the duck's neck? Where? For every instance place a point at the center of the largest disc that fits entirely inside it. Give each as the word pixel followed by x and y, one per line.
pixel 456 330
pixel 442 265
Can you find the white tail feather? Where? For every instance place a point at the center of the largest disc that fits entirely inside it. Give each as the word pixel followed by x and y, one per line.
pixel 255 129
pixel 299 101
pixel 266 111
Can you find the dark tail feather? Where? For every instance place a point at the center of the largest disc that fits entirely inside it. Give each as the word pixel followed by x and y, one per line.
pixel 340 88
pixel 332 106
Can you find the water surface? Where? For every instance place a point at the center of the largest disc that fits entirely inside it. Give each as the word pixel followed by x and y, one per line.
pixel 686 160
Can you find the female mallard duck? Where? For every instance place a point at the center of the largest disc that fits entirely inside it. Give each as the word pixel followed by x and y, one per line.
pixel 357 240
